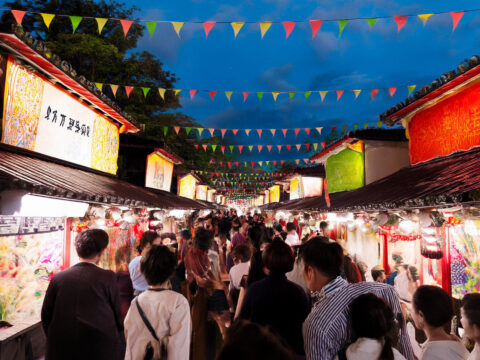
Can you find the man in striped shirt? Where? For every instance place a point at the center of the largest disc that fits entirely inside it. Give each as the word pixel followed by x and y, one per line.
pixel 326 331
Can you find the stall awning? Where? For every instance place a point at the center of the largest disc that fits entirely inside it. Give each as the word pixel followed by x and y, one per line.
pixel 442 182
pixel 44 176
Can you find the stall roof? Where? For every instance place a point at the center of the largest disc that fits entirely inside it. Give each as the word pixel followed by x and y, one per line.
pixel 45 176
pixel 442 182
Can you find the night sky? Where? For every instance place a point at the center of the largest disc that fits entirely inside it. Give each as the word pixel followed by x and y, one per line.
pixel 360 59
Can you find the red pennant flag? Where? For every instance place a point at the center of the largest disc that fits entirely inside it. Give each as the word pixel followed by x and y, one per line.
pixel 288 147
pixel 307 131
pixel 18 14
pixel 212 94
pixel 192 93
pixel 334 128
pixel 196 146
pixel 323 145
pixel 284 132
pixel 282 162
pixel 211 131
pixel 240 148
pixel 204 147
pixel 207 26
pixel 235 132
pixel 229 164
pixel 126 25
pixel 339 94
pixel 456 16
pixel 288 25
pixel 252 163
pixel 400 20
pixel 274 163
pixel 260 147
pixel 236 164
pixel 269 147
pixel 221 164
pixel 308 147
pixel 223 149
pixel 128 90
pixel 374 93
pixel 315 24
pixel 297 131
pixel 279 147
pixel 223 131
pixel 391 91
pixel 245 95
pixel 298 146
pixel 177 129
pixel 259 131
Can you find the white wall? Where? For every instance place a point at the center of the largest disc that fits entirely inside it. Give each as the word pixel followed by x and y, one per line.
pixel 383 158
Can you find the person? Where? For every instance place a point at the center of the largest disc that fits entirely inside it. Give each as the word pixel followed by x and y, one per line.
pixel 238 237
pixel 471 321
pixel 147 239
pixel 372 320
pixel 276 301
pixel 258 241
pixel 167 311
pixel 326 329
pixel 248 340
pixel 241 257
pixel 378 274
pixel 81 313
pixel 292 236
pixel 324 229
pixel 125 288
pixel 184 242
pixel 432 311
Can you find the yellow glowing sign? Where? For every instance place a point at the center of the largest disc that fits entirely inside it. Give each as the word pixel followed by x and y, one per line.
pixel 295 189
pixel 275 193
pixel 187 187
pixel 159 172
pixel 267 197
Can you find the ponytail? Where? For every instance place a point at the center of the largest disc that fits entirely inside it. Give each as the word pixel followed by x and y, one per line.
pixel 387 352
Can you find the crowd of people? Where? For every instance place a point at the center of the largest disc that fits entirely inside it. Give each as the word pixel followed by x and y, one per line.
pixel 238 289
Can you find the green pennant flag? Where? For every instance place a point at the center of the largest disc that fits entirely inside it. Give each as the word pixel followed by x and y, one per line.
pixel 200 131
pixel 151 25
pixel 355 126
pixel 371 22
pixel 99 86
pixel 341 26
pixel 165 130
pixel 250 147
pixel 101 24
pixel 344 128
pixel 411 88
pixel 315 146
pixel 214 147
pixel 188 129
pixel 75 21
pixel 268 163
pixel 291 95
pixel 365 125
pixel 145 91
pixel 245 163
pixel 260 95
pixel 379 124
pixel 307 94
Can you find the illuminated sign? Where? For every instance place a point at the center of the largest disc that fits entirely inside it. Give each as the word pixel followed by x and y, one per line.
pixel 210 195
pixel 159 172
pixel 259 200
pixel 187 186
pixel 312 186
pixel 267 197
pixel 275 193
pixel 201 192
pixel 295 188
pixel 44 118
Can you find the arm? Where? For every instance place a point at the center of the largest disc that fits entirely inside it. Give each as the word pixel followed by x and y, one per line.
pixel 180 331
pixel 322 342
pixel 48 305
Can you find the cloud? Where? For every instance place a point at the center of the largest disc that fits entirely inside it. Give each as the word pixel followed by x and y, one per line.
pixel 275 79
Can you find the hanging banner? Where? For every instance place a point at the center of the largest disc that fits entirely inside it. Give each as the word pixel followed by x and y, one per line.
pixel 274 193
pixel 159 172
pixel 312 186
pixel 41 117
pixel 211 195
pixel 201 192
pixel 187 186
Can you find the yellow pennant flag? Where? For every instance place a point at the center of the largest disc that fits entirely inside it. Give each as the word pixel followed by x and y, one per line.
pixel 357 92
pixel 177 26
pixel 177 91
pixel 228 94
pixel 275 95
pixel 264 26
pixel 101 23
pixel 237 26
pixel 424 18
pixel 47 19
pixel 323 94
pixel 114 89
pixel 162 93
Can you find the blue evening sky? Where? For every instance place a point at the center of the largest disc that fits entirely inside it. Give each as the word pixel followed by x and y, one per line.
pixel 361 59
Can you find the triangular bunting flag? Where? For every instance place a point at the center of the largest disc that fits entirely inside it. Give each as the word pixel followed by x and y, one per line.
pixel 308 147
pixel 165 130
pixel 145 91
pixel 204 147
pixel 18 15
pixel 357 92
pixel 456 16
pixel 212 94
pixel 250 147
pixel 319 130
pixel 344 128
pixel 291 95
pixel 371 22
pixel 47 19
pixel 177 91
pixel 252 163
pixel 307 130
pixel 289 147
pixel 211 131
pixel 296 131
pixel 229 164
pixel 315 146
pixel 424 18
pixel 177 26
pixel 279 147
pixel 391 91
pixel 259 131
pixel 284 131
pixel 273 131
pixel 228 94
pixel 192 94
pixel 334 128
pixel 379 124
pixel 245 95
pixel 355 126
pixel 259 147
pixel 162 93
pixel 260 95
pixel 365 125
pixel 231 148
pixel 187 130
pixel 339 94
pixel 223 131
pixel 99 86
pixel 297 161
pixel 299 146
pixel 236 27
pixel 316 25
pixel 323 94
pixel 261 164
pixel 177 129
pixel 214 147
pixel 323 144
pixel 264 26
pixel 247 131
pixel 200 131
pixel 207 26
pixel 288 25
pixel 151 25
pixel 240 148
pixel 196 146
pixel 282 162
pixel 275 95
pixel 269 147
pixel 341 26
pixel 114 89
pixel 411 88
pixel 374 93
pixel 234 131
pixel 400 20
pixel 128 90
pixel 126 24
pixel 307 94
pixel 274 163
pixel 101 24
pixel 306 161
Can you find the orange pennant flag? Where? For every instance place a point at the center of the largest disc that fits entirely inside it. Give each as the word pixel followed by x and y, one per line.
pixel 211 131
pixel 374 93
pixel 307 131
pixel 207 26
pixel 223 131
pixel 279 147
pixel 126 24
pixel 18 15
pixel 297 131
pixel 260 147
pixel 114 89
pixel 259 131
pixel 269 147
pixel 284 132
pixel 247 131
pixel 192 93
pixel 177 129
pixel 128 90
pixel 339 94
pixel 234 131
pixel 288 25
pixel 392 90
pixel 273 131
pixel 245 95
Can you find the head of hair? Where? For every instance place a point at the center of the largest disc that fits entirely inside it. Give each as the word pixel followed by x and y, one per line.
pixel 278 228
pixel 377 273
pixel 186 234
pixel 203 239
pixel 325 257
pixel 278 257
pixel 270 232
pixel 248 340
pixel 278 238
pixel 90 243
pixel 255 236
pixel 158 265
pixel 471 308
pixel 323 225
pixel 373 318
pixel 435 304
pixel 319 238
pixel 242 252
pixel 148 237
pixel 291 226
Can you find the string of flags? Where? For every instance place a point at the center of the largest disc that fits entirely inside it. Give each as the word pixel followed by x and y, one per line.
pixel 251 148
pixel 390 91
pixel 242 175
pixel 253 164
pixel 263 26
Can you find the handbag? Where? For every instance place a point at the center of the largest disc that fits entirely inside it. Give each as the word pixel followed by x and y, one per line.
pixel 157 349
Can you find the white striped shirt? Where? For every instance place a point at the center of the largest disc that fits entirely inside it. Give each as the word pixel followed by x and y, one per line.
pixel 326 330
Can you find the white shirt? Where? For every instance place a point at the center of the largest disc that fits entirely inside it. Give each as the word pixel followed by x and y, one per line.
pixel 365 348
pixel 169 314
pixel 292 239
pixel 444 350
pixel 236 274
pixel 475 354
pixel 138 280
